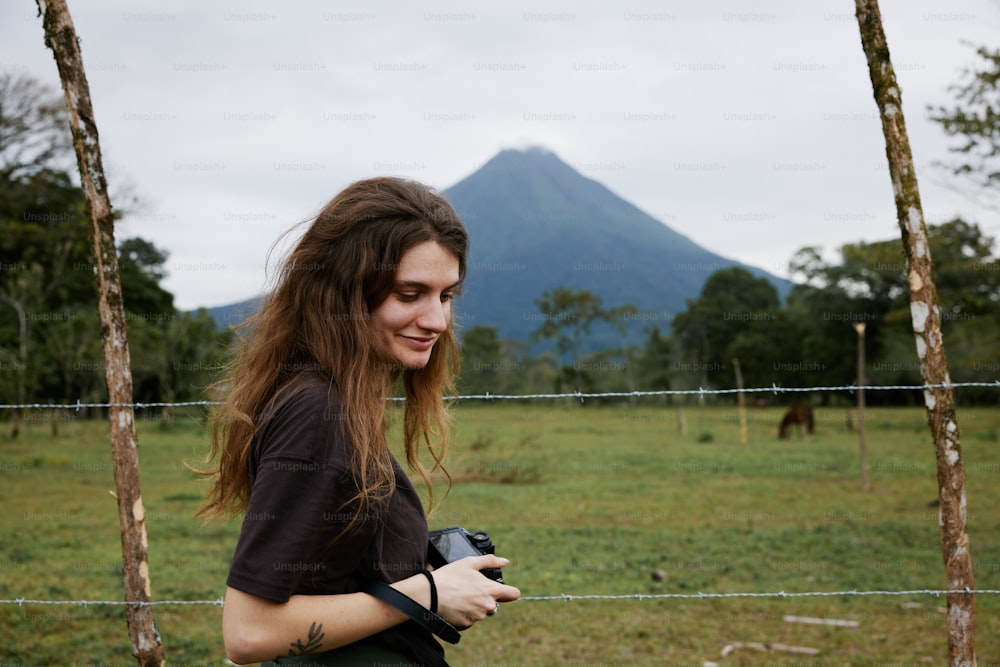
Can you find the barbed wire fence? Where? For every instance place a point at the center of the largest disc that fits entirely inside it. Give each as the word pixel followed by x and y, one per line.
pixel 562 598
pixel 581 397
pixel 926 323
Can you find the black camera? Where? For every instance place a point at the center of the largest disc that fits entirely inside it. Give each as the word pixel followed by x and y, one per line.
pixel 450 544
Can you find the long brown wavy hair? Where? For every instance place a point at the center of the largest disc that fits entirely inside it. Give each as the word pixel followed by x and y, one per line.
pixel 318 319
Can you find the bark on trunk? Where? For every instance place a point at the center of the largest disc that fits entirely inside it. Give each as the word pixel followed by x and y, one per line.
pixel 939 400
pixel 60 36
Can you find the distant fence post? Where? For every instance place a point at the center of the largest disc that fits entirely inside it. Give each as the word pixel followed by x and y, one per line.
pixel 938 397
pixel 741 404
pixel 60 36
pixel 862 439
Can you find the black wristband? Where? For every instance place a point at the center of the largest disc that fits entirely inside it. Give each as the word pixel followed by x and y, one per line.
pixel 434 590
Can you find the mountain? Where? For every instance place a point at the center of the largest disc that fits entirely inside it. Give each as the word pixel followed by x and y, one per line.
pixel 535 224
pixel 232 314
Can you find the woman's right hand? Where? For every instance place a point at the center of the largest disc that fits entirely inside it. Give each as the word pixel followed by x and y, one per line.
pixel 466 595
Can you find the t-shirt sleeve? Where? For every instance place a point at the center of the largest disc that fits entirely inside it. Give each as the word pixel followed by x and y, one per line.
pixel 289 542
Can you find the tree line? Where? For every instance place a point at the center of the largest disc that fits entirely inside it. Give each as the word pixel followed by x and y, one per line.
pixel 806 340
pixel 50 336
pixel 50 340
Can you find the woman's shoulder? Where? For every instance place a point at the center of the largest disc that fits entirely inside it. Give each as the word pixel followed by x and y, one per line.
pixel 302 423
pixel 308 389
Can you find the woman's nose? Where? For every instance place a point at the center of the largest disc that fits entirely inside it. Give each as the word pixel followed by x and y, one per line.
pixel 435 316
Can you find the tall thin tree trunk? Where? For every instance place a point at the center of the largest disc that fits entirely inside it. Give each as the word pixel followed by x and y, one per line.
pixel 60 36
pixel 926 318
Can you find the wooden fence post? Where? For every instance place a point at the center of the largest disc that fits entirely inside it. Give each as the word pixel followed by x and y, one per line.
pixel 862 439
pixel 60 36
pixel 938 396
pixel 741 404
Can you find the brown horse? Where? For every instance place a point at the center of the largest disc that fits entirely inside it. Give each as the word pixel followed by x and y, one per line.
pixel 802 415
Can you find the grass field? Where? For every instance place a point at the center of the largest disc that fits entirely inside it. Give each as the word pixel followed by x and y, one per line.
pixel 584 501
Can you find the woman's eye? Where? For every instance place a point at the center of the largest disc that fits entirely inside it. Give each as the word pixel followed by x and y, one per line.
pixel 447 297
pixel 408 296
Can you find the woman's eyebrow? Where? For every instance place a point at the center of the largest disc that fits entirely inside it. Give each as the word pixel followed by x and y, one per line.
pixel 423 285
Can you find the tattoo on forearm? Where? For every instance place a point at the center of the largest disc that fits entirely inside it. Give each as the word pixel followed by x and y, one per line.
pixel 312 642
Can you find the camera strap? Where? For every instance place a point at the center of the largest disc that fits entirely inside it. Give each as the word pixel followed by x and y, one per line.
pixel 425 618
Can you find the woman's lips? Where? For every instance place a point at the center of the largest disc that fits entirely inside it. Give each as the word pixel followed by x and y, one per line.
pixel 419 343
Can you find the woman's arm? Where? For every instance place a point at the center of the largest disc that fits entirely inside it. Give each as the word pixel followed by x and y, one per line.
pixel 255 629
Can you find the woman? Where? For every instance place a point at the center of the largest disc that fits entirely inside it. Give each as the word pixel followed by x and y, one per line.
pixel 363 301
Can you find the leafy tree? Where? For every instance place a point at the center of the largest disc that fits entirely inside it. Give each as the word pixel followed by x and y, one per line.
pixel 482 361
pixel 141 267
pixel 50 337
pixel 975 121
pixel 34 130
pixel 567 317
pixel 142 257
pixel 43 250
pixel 736 314
pixel 869 285
pixel 823 309
pixel 194 355
pixel 43 242
pixel 621 318
pixel 533 374
pixel 965 270
pixel 655 361
pixel 71 355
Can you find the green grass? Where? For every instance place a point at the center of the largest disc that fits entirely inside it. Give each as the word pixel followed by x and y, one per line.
pixel 584 501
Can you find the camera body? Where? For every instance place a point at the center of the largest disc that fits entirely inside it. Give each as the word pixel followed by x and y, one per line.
pixel 447 545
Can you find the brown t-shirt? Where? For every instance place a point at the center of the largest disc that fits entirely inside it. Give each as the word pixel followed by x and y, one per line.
pixel 302 482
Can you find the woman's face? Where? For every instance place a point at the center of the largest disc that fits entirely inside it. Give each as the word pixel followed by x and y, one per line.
pixel 407 324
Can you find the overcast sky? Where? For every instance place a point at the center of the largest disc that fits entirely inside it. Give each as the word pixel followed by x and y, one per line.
pixel 749 127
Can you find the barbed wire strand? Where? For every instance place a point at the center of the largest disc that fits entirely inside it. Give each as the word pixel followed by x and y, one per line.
pixel 549 598
pixel 775 389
